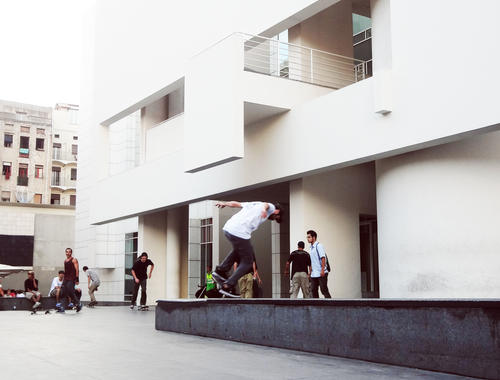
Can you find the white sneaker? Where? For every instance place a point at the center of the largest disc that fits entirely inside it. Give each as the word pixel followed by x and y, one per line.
pixel 36 305
pixel 132 307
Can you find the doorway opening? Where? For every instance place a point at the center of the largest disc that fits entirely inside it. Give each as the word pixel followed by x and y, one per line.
pixel 368 246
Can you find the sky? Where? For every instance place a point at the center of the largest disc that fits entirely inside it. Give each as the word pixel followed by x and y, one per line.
pixel 40 51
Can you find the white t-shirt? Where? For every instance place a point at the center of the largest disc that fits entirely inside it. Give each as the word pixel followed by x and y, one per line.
pixel 55 282
pixel 248 219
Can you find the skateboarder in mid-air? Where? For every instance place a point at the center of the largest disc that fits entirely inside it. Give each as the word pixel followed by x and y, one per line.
pixel 238 230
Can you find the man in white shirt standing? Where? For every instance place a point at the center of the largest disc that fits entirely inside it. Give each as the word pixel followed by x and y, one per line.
pixel 319 272
pixel 238 230
pixel 55 287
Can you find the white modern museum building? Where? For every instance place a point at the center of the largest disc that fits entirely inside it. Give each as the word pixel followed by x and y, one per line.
pixel 374 122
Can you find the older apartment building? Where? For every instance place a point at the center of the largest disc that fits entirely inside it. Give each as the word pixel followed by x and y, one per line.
pixel 25 153
pixel 374 121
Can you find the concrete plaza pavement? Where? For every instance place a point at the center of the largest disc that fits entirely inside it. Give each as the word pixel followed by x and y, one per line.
pixel 117 343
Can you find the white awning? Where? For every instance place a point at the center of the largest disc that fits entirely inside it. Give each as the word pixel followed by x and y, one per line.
pixel 5 270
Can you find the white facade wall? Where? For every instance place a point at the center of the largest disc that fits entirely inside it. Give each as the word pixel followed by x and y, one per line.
pixel 437 213
pixel 424 92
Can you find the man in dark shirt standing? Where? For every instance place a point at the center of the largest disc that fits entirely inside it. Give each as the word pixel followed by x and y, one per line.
pixel 139 271
pixel 71 273
pixel 31 289
pixel 301 270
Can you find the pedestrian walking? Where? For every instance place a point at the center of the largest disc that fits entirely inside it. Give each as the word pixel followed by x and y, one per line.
pixel 301 270
pixel 319 273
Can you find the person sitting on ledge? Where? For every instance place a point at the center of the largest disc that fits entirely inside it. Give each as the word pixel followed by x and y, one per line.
pixel 31 289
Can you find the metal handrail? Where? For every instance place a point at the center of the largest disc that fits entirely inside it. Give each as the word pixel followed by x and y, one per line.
pixel 272 57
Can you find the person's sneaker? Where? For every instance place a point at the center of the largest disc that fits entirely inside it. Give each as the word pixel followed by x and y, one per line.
pixel 36 305
pixel 78 307
pixel 132 307
pixel 70 305
pixel 60 309
pixel 219 278
pixel 58 305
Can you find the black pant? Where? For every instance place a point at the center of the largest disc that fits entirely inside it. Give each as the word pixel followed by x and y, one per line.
pixel 142 284
pixel 68 290
pixel 242 253
pixel 322 282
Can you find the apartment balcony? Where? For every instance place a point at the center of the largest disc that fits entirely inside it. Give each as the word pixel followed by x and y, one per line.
pixel 64 157
pixel 290 61
pixel 63 184
pixel 22 181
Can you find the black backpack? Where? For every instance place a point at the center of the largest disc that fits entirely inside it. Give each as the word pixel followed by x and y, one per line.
pixel 326 257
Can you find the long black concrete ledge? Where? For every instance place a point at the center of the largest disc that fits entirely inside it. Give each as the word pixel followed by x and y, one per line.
pixel 455 336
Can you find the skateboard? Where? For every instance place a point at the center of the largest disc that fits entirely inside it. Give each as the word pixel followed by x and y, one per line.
pixel 39 311
pixel 143 308
pixel 220 281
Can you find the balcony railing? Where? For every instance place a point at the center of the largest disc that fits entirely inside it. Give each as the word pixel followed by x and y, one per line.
pixel 61 155
pixel 24 152
pixel 57 181
pixel 22 181
pixel 276 58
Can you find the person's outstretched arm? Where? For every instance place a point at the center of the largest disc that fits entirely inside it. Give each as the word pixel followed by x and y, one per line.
pixel 228 204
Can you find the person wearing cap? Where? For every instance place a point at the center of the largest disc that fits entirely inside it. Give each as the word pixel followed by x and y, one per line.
pixel 31 289
pixel 238 230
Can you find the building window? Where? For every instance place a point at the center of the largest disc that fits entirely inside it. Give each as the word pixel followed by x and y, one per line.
pixel 73 174
pixel 130 257
pixel 39 144
pixel 23 170
pixel 25 129
pixel 38 171
pixel 22 178
pixel 40 131
pixel 5 196
pixel 56 151
pixel 56 136
pixel 37 198
pixel 55 199
pixel 24 145
pixel 7 140
pixel 72 200
pixel 56 176
pixel 74 149
pixel 7 169
pixel 75 137
pixel 206 247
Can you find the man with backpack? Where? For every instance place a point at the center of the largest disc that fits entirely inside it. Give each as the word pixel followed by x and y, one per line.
pixel 320 266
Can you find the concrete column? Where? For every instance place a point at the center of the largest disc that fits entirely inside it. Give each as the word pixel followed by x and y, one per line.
pixel 153 240
pixel 382 55
pixel 176 261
